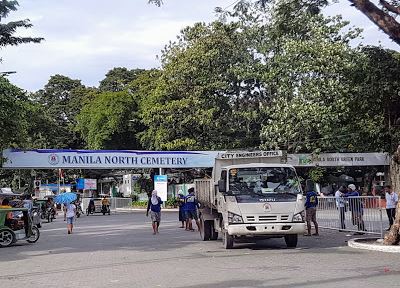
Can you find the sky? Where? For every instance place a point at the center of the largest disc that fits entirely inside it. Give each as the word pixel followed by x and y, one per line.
pixel 84 39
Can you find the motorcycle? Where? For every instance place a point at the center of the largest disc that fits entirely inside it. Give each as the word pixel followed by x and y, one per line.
pixel 79 211
pixel 50 214
pixel 36 217
pixel 105 209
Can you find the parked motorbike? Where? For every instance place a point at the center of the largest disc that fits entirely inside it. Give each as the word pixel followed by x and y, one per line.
pixel 105 209
pixel 50 214
pixel 79 211
pixel 36 217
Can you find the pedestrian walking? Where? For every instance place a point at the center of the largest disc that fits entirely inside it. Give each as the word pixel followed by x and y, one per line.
pixel 391 203
pixel 356 207
pixel 341 206
pixel 70 216
pixel 154 206
pixel 311 212
pixel 191 206
pixel 181 205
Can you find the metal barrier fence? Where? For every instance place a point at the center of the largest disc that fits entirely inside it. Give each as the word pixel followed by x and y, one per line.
pixel 115 203
pixel 120 203
pixel 362 214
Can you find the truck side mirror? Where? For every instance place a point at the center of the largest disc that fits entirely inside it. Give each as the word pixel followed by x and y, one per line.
pixel 222 186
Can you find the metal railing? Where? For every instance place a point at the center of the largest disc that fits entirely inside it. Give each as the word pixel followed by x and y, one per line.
pixel 363 214
pixel 120 203
pixel 115 204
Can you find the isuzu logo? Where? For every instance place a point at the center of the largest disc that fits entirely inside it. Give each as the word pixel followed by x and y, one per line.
pixel 267 207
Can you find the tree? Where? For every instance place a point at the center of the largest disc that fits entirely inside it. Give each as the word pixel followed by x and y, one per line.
pixel 13 114
pixel 384 18
pixel 118 78
pixel 206 97
pixel 108 121
pixel 306 64
pixel 42 128
pixel 156 2
pixel 62 98
pixel 8 30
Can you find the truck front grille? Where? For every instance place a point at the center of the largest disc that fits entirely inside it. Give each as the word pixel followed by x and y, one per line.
pixel 267 218
pixel 251 219
pixel 284 217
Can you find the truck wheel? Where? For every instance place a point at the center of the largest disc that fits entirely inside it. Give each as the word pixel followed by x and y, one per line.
pixel 214 234
pixel 291 241
pixel 227 240
pixel 205 229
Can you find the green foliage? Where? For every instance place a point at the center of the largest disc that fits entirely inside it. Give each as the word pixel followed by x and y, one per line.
pixel 62 99
pixel 8 30
pixel 171 202
pixel 143 185
pixel 316 174
pixel 206 97
pixel 118 78
pixel 13 116
pixel 139 204
pixel 105 121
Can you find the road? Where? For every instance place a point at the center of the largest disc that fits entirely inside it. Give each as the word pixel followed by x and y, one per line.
pixel 120 251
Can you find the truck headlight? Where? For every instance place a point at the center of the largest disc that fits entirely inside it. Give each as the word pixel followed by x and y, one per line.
pixel 234 218
pixel 299 217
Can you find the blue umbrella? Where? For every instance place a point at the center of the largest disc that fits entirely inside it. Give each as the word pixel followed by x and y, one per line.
pixel 65 198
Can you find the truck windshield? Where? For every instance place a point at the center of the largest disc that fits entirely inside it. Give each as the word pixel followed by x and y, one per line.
pixel 263 181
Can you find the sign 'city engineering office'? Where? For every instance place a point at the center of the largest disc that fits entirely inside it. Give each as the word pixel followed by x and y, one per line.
pixel 106 159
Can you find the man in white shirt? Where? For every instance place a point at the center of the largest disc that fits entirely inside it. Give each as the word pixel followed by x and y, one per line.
pixel 70 215
pixel 391 203
pixel 341 206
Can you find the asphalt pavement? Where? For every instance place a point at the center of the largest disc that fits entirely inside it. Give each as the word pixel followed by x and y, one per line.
pixel 120 251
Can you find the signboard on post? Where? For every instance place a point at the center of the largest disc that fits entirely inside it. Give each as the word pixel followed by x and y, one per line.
pixel 161 186
pixel 86 184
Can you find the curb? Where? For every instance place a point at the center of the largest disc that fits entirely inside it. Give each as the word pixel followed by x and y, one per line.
pixel 357 243
pixel 144 209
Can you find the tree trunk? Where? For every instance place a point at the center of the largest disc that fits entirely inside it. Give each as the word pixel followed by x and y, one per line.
pixel 393 237
pixel 381 18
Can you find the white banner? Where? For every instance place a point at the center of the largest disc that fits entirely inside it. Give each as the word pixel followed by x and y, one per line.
pixel 107 159
pixel 338 159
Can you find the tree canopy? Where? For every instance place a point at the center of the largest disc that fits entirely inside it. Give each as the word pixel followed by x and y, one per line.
pixel 272 74
pixel 8 30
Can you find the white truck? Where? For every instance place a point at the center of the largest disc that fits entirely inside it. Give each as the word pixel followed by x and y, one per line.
pixel 251 196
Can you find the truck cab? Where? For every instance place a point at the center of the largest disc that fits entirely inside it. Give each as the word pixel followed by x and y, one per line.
pixel 252 201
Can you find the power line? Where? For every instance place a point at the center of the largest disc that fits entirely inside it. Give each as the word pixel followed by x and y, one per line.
pixel 230 5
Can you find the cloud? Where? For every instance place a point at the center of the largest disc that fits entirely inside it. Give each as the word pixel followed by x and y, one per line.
pixel 85 39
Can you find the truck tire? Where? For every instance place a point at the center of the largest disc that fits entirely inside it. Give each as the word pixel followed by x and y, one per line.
pixel 214 234
pixel 291 240
pixel 227 240
pixel 205 229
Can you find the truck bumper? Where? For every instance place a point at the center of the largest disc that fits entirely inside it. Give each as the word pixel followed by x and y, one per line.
pixel 266 229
